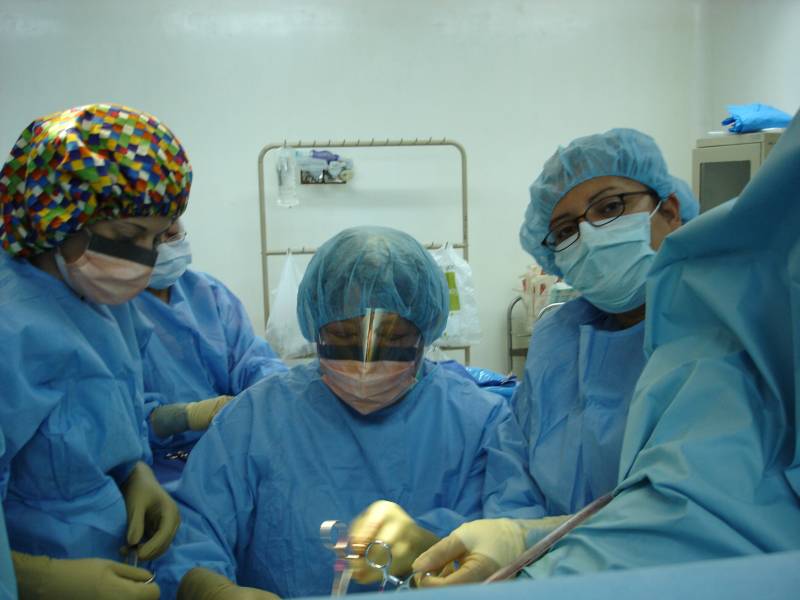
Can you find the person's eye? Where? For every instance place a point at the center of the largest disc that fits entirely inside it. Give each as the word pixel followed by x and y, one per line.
pixel 564 232
pixel 342 338
pixel 610 207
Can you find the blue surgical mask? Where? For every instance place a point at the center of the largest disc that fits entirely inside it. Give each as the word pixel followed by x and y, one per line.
pixel 608 265
pixel 173 260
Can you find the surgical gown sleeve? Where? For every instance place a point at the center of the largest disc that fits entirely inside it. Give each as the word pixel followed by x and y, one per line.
pixel 687 497
pixel 216 501
pixel 72 415
pixel 250 357
pixel 143 330
pixel 499 477
pixel 8 582
pixel 711 461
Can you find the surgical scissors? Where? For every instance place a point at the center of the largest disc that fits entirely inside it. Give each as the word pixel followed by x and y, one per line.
pixel 334 537
pixel 379 556
pixel 133 560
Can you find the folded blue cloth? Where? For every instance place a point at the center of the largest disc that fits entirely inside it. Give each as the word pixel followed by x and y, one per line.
pixel 483 377
pixel 489 378
pixel 754 117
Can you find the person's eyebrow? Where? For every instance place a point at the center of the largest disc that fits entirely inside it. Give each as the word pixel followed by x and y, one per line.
pixel 123 223
pixel 566 217
pixel 348 329
pixel 394 329
pixel 600 193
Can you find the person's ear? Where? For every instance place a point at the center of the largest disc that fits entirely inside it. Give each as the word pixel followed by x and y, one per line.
pixel 670 211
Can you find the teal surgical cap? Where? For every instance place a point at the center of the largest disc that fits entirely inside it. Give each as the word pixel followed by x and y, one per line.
pixel 363 268
pixel 617 152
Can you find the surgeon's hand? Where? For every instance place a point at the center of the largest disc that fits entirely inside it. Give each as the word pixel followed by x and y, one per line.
pixel 387 522
pixel 202 584
pixel 199 414
pixel 172 419
pixel 43 578
pixel 151 512
pixel 481 548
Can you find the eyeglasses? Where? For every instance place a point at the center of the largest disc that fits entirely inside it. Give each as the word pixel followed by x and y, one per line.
pixel 600 212
pixel 172 239
pixel 176 237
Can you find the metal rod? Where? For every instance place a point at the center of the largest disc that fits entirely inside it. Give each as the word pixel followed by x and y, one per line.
pixel 262 210
pixel 372 142
pixel 510 331
pixel 304 250
pixel 539 549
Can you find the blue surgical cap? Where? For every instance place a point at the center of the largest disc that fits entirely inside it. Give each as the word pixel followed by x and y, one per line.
pixel 373 267
pixel 617 152
pixel 690 207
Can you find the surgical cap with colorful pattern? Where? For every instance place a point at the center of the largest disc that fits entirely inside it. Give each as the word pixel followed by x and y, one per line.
pixel 87 164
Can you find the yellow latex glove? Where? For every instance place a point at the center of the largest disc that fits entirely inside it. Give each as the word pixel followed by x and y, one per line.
pixel 44 578
pixel 172 419
pixel 202 584
pixel 199 414
pixel 387 522
pixel 151 512
pixel 481 548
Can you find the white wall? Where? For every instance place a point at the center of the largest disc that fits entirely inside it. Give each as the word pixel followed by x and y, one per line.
pixel 752 52
pixel 508 79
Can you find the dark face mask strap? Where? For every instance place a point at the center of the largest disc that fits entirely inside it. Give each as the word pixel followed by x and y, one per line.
pixel 123 250
pixel 334 352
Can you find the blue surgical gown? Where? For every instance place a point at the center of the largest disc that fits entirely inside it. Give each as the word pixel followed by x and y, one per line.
pixel 287 455
pixel 8 581
pixel 204 346
pixel 711 456
pixel 72 412
pixel 573 401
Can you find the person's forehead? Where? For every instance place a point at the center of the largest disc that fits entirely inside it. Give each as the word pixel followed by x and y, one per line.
pixel 151 224
pixel 578 198
pixel 386 319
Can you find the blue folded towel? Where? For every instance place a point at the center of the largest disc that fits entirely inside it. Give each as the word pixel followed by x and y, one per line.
pixel 754 117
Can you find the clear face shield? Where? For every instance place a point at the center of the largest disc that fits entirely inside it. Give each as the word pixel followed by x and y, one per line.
pixel 371 361
pixel 379 335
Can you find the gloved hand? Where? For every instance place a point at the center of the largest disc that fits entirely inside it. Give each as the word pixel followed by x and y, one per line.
pixel 199 414
pixel 202 584
pixel 151 511
pixel 172 419
pixel 481 548
pixel 387 522
pixel 43 578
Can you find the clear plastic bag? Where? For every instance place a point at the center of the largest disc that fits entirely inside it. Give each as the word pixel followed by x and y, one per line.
pixel 283 330
pixel 463 324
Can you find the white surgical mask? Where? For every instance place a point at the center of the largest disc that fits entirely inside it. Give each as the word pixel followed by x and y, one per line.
pixel 608 265
pixel 173 260
pixel 369 386
pixel 108 271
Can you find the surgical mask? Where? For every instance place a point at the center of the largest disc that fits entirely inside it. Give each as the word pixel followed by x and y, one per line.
pixel 609 264
pixel 173 260
pixel 108 271
pixel 369 386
